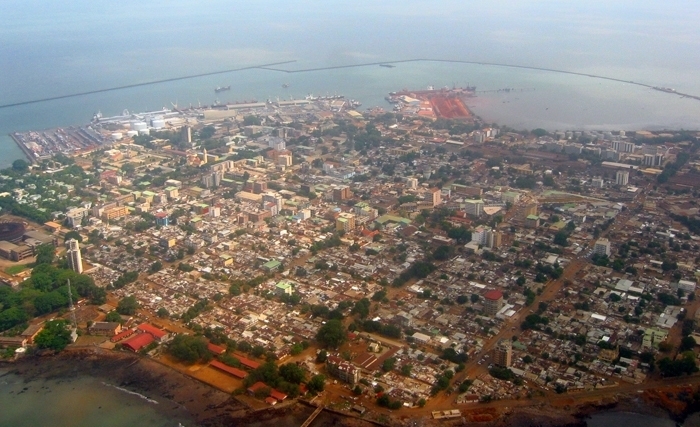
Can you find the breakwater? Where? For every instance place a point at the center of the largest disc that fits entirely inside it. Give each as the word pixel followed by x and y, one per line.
pixel 275 67
pixel 153 82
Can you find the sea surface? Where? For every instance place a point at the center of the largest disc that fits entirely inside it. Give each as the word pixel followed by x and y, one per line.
pixel 618 419
pixel 79 402
pixel 50 49
pixel 89 402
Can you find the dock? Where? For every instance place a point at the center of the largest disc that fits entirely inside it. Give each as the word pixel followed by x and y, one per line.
pixel 28 154
pixel 312 417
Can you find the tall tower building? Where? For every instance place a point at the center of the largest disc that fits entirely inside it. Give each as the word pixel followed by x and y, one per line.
pixel 602 247
pixel 436 196
pixel 622 177
pixel 75 260
pixel 503 353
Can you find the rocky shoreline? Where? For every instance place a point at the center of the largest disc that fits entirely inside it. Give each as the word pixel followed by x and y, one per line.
pixel 178 394
pixel 207 407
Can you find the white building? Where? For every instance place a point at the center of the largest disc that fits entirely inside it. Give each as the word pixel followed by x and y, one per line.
pixel 75 260
pixel 622 177
pixel 474 207
pixel 602 247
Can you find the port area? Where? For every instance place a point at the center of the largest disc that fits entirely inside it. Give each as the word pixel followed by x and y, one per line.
pixel 434 103
pixel 38 145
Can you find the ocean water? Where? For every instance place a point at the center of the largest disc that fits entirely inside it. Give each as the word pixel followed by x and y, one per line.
pixel 616 419
pixel 56 48
pixel 80 402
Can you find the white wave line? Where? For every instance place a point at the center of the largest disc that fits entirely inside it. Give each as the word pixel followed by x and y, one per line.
pixel 133 393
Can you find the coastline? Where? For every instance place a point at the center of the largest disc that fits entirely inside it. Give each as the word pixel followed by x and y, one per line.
pixel 24 149
pixel 182 396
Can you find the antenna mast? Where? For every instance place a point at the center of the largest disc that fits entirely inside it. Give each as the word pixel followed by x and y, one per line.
pixel 74 323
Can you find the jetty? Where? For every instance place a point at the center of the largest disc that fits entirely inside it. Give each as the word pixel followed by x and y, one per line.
pixel 27 153
pixel 312 417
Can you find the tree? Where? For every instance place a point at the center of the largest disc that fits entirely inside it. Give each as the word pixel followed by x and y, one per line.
pixel 361 308
pixel 156 267
pixel 55 335
pixel 406 370
pixel 73 235
pixel 129 168
pixel 45 253
pixel 321 356
pixel 113 316
pixel 293 373
pixel 561 238
pixel 189 349
pixel 332 334
pixel 163 312
pixel 128 305
pixel 20 165
pixel 316 384
pixel 687 343
pixel 388 364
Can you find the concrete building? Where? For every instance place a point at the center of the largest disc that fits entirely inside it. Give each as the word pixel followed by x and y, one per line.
pixel 114 213
pixel 474 207
pixel 284 160
pixel 341 193
pixel 436 196
pixel 162 219
pixel 344 371
pixel 532 221
pixel 493 302
pixel 602 247
pixel 622 177
pixel 75 216
pixel 531 210
pixel 75 260
pixel 345 222
pixel 503 353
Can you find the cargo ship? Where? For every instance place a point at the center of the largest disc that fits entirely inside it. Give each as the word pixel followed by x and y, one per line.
pixel 222 88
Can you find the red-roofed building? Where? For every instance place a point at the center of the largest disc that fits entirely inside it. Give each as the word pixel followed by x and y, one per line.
pixel 271 401
pixel 278 395
pixel 153 331
pixel 123 335
pixel 228 369
pixel 256 387
pixel 493 301
pixel 216 349
pixel 138 342
pixel 250 364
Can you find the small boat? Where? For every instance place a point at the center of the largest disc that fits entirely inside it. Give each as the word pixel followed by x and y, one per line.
pixel 286 85
pixel 387 65
pixel 222 88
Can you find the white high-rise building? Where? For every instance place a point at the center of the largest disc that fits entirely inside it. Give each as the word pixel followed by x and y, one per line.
pixel 602 247
pixel 622 177
pixel 75 260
